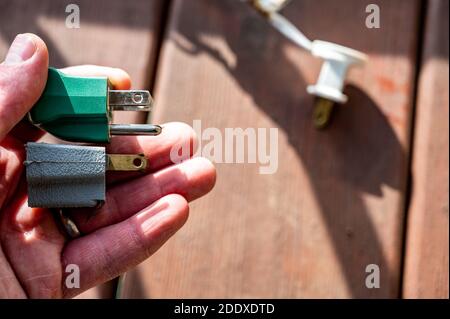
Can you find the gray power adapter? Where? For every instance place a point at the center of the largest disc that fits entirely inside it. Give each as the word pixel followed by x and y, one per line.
pixel 70 176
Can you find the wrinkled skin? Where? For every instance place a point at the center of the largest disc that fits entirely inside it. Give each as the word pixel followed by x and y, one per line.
pixel 142 211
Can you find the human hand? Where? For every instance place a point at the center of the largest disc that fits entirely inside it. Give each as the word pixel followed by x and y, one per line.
pixel 141 211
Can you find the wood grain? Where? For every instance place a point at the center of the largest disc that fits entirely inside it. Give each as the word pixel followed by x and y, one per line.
pixel 113 33
pixel 336 203
pixel 427 245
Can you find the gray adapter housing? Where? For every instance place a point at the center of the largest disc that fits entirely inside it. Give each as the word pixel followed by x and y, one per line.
pixel 65 176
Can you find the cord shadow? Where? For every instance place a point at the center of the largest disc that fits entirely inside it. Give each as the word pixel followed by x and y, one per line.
pixel 360 142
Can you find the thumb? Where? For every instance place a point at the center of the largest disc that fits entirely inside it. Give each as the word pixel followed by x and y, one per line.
pixel 23 75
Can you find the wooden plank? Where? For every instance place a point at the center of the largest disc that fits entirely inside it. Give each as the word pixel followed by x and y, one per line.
pixel 336 202
pixel 113 33
pixel 427 246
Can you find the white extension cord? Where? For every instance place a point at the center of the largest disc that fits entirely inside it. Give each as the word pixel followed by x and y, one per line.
pixel 337 59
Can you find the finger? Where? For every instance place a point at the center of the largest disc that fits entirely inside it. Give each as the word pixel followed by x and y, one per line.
pixel 33 244
pixel 11 165
pixel 158 149
pixel 118 77
pixel 23 75
pixel 111 251
pixel 190 179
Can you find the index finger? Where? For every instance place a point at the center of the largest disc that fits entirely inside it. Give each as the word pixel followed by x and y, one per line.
pixel 118 77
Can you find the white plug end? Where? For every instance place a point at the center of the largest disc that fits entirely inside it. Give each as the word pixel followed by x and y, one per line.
pixel 270 6
pixel 337 60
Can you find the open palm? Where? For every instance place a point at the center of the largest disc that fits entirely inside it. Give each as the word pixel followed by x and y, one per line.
pixel 141 211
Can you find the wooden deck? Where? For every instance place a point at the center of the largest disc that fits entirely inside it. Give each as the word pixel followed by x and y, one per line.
pixel 370 189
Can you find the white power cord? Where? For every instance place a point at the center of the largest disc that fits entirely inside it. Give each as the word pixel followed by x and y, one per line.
pixel 285 27
pixel 337 59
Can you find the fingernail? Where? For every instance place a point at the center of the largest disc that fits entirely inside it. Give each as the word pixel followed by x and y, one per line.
pixel 22 48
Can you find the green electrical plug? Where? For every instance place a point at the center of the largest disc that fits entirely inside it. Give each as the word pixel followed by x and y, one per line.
pixel 79 109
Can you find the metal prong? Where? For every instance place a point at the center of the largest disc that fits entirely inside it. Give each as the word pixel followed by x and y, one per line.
pixel 125 100
pixel 322 112
pixel 122 162
pixel 134 129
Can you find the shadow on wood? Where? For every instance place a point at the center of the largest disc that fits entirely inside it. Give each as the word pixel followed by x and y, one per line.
pixel 356 170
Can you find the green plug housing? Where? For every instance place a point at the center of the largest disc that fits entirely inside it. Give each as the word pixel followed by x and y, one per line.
pixel 73 108
pixel 79 109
